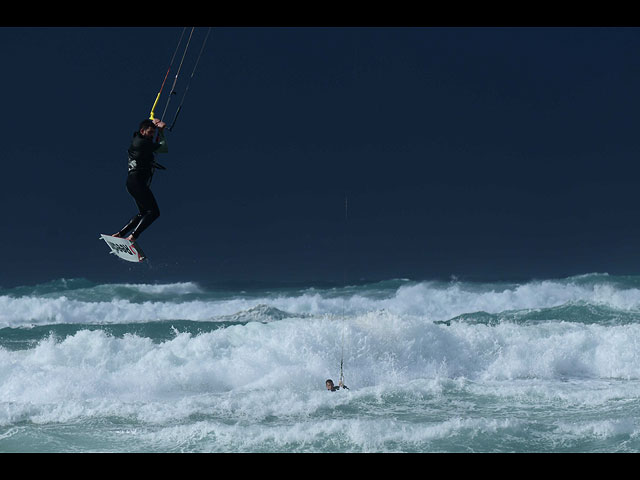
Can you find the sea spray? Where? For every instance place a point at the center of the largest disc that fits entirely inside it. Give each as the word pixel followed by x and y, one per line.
pixel 549 365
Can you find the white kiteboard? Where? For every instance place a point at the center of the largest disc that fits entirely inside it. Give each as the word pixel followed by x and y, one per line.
pixel 124 249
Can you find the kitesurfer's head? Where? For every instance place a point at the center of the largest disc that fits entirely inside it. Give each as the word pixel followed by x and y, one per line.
pixel 329 384
pixel 147 128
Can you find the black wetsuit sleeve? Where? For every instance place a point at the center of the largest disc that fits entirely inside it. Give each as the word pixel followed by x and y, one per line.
pixel 161 146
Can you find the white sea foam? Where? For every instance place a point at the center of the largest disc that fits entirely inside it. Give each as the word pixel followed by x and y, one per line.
pixel 429 300
pixel 247 366
pixel 179 288
pixel 258 385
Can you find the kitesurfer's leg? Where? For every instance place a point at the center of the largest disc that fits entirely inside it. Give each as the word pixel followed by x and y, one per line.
pixel 147 206
pixel 135 220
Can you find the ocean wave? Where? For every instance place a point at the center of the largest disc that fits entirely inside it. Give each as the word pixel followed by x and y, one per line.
pixel 380 351
pixel 589 299
pixel 444 366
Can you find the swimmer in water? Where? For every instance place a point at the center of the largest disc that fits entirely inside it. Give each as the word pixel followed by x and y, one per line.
pixel 332 388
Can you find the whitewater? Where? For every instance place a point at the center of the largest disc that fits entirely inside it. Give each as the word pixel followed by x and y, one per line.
pixel 547 365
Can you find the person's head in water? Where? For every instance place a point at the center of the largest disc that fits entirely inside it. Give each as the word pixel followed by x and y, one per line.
pixel 332 388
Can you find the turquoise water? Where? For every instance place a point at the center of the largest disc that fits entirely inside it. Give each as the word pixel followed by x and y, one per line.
pixel 538 366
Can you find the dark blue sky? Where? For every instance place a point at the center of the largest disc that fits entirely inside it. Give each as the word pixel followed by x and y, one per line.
pixel 477 152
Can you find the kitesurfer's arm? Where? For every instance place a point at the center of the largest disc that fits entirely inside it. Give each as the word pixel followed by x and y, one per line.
pixel 162 141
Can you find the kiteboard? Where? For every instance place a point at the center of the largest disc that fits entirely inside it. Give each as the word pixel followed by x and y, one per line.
pixel 124 249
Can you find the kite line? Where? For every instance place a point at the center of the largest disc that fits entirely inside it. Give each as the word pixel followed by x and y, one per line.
pixel 344 300
pixel 166 75
pixel 175 117
pixel 175 80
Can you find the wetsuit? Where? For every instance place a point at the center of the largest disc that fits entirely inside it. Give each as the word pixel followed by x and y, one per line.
pixel 335 388
pixel 141 165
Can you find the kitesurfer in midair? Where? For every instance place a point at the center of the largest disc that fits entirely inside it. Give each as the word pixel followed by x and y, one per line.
pixel 141 166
